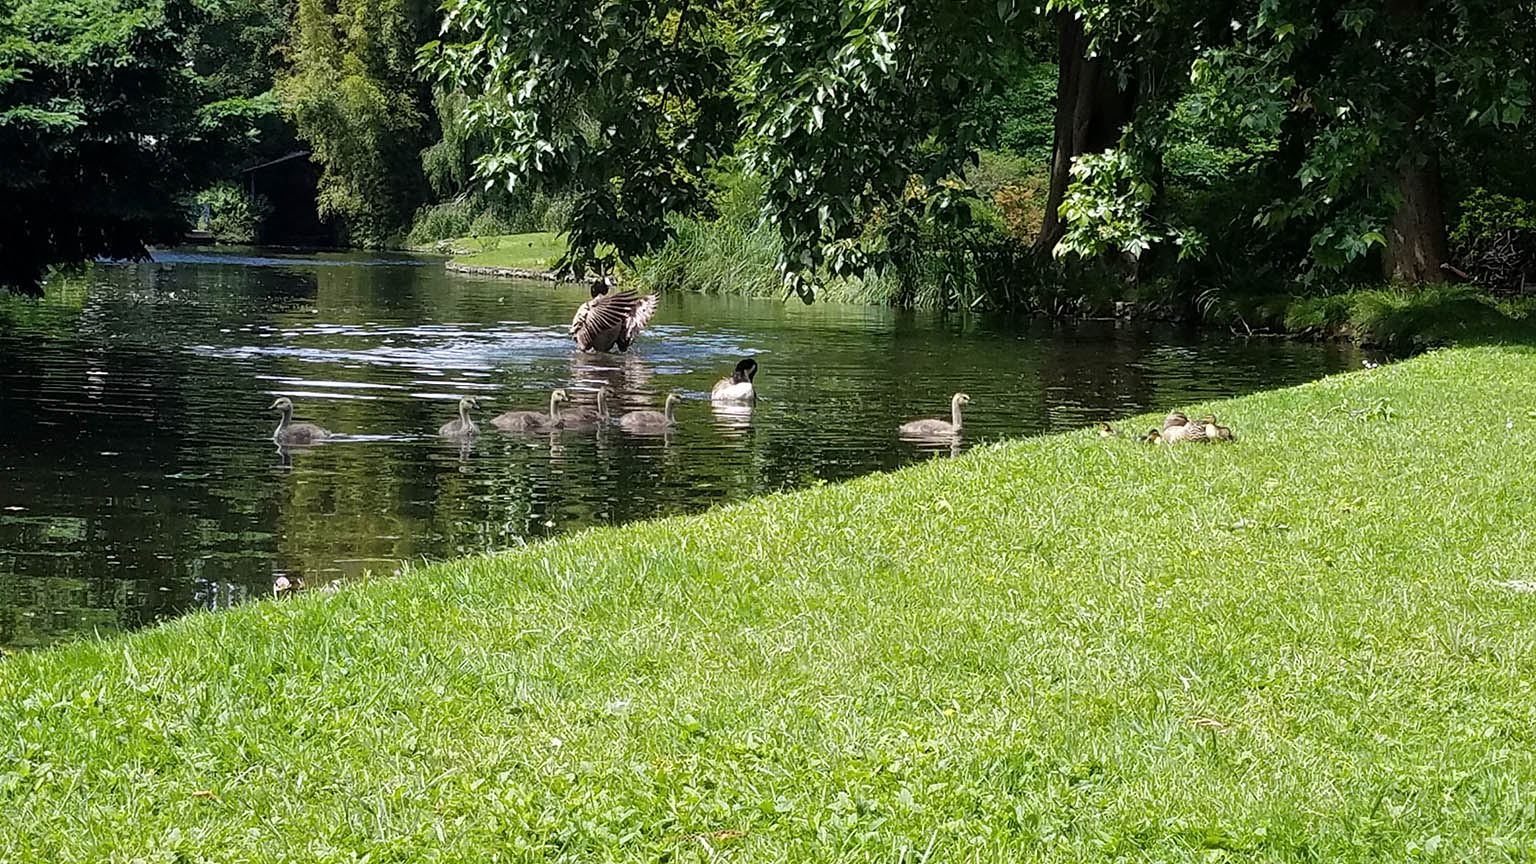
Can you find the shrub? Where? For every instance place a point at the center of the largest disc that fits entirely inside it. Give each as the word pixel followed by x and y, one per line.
pixel 233 215
pixel 1484 214
pixel 1495 241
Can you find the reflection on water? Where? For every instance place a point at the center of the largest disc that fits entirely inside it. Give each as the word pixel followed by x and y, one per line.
pixel 138 477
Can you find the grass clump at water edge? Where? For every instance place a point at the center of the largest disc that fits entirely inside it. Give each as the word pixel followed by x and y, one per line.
pixel 1305 646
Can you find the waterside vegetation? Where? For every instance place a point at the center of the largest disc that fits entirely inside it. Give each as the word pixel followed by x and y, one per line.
pixel 1311 644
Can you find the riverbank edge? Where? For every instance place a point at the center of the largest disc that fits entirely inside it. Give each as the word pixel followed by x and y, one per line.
pixel 511 273
pixel 500 673
pixel 1397 318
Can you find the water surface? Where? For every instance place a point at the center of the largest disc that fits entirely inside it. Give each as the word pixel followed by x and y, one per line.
pixel 138 478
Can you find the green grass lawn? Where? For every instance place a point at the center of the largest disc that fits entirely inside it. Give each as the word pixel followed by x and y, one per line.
pixel 535 251
pixel 1298 647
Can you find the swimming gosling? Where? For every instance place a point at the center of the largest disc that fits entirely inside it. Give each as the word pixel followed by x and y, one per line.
pixel 587 418
pixel 533 421
pixel 935 428
pixel 462 428
pixel 288 432
pixel 652 421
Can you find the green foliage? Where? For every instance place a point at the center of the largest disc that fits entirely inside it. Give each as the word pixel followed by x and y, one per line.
pixel 102 130
pixel 1108 208
pixel 1485 214
pixel 621 105
pixel 1176 656
pixel 234 215
pixel 353 95
pixel 236 47
pixel 733 252
pixel 476 214
pixel 852 102
pixel 1020 119
pixel 1352 91
pixel 1407 318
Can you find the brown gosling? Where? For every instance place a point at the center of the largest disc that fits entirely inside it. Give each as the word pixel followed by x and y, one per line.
pixel 652 421
pixel 463 428
pixel 294 433
pixel 1215 431
pixel 928 428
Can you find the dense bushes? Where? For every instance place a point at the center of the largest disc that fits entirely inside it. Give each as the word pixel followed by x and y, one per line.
pixel 232 215
pixel 1495 241
pixel 477 215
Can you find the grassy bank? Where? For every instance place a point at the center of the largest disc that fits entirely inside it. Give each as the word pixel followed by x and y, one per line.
pixel 1409 318
pixel 1299 647
pixel 538 250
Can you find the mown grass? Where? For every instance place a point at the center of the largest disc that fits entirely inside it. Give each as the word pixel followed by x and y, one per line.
pixel 538 250
pixel 1294 648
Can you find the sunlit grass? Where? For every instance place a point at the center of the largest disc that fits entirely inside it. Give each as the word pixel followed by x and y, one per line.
pixel 538 250
pixel 1299 647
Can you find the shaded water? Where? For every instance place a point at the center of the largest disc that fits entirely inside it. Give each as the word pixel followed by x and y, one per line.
pixel 138 478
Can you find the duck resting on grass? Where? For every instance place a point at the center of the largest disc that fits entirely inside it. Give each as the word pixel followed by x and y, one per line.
pixel 1177 427
pixel 928 428
pixel 737 388
pixel 1215 431
pixel 463 428
pixel 289 432
pixel 652 421
pixel 533 421
pixel 610 322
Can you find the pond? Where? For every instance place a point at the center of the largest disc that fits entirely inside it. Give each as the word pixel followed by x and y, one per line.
pixel 138 478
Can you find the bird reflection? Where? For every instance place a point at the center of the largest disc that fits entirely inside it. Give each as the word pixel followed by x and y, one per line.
pixel 620 373
pixel 936 444
pixel 556 447
pixel 733 417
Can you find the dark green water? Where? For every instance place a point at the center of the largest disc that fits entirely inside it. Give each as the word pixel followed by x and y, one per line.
pixel 138 478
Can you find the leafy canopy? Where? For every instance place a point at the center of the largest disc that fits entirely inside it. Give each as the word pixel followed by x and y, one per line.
pixel 103 125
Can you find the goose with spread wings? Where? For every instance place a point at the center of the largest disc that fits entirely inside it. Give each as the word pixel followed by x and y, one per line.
pixel 611 322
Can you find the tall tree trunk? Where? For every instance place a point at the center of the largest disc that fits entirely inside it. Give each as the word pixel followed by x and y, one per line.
pixel 1416 241
pixel 1090 113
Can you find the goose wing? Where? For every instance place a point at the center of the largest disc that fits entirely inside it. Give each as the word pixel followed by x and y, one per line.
pixel 640 314
pixel 607 314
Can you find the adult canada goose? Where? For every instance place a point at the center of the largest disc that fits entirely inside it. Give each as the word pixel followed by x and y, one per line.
pixel 738 387
pixel 1215 431
pixel 462 428
pixel 288 432
pixel 934 428
pixel 533 421
pixel 587 418
pixel 652 421
pixel 611 321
